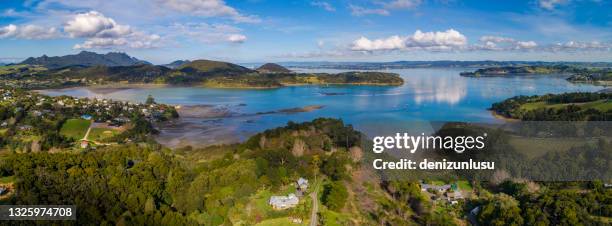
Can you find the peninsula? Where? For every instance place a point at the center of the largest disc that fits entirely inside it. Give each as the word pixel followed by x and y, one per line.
pixel 557 107
pixel 96 69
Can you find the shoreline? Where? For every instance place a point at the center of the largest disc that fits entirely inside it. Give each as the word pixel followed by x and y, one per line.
pixel 120 86
pixel 503 118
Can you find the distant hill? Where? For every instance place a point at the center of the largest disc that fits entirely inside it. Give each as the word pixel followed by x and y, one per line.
pixel 434 64
pixel 272 68
pixel 140 73
pixel 84 58
pixel 209 66
pixel 177 63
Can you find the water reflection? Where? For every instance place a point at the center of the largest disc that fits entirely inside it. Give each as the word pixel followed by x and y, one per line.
pixel 436 88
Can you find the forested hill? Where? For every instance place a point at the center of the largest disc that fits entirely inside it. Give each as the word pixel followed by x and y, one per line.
pixel 84 58
pixel 145 184
pixel 558 107
pixel 599 77
pixel 521 70
pixel 195 73
pixel 273 68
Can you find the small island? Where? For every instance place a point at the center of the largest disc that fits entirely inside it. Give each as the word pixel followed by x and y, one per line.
pixel 95 70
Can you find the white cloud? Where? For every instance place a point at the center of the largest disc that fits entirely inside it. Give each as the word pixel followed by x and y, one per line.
pixel 526 45
pixel 578 45
pixel 361 11
pixel 320 43
pixel 503 43
pixel 209 33
pixel 104 33
pixel 95 24
pixel 209 8
pixel 383 8
pixel 496 39
pixel 551 4
pixel 28 31
pixel 402 4
pixel 391 43
pixel 8 31
pixel 135 40
pixel 140 40
pixel 236 38
pixel 319 54
pixel 101 43
pixel 324 5
pixel 439 40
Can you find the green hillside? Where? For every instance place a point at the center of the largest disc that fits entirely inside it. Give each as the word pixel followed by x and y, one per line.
pixel 211 66
pixel 557 107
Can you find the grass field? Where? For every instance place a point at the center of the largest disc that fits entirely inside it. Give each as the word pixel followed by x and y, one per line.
pixel 601 105
pixel 283 221
pixel 464 185
pixel 16 68
pixel 99 134
pixel 75 128
pixel 333 218
pixel 6 180
pixel 535 147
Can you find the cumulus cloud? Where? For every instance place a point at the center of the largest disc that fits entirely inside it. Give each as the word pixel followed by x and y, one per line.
pixel 503 43
pixel 95 24
pixel 236 38
pixel 551 4
pixel 361 11
pixel 439 40
pixel 209 8
pixel 391 43
pixel 8 31
pixel 526 45
pixel 324 5
pixel 28 31
pixel 103 32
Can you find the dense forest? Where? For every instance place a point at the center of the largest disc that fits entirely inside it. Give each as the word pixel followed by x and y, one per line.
pixel 146 184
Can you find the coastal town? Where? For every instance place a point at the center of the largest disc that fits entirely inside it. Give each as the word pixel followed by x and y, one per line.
pixel 30 121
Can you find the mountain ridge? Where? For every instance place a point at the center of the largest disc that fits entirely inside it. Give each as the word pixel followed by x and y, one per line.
pixel 84 58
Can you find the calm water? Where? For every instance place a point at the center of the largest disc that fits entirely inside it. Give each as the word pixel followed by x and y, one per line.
pixel 427 95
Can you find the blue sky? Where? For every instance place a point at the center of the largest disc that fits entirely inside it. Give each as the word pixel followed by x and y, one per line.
pixel 161 31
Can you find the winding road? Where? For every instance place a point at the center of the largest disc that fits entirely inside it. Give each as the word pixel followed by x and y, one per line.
pixel 315 206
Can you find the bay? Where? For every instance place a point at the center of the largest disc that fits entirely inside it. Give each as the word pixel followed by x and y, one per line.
pixel 428 95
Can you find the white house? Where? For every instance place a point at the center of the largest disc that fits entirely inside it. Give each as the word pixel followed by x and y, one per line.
pixel 439 188
pixel 302 184
pixel 284 202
